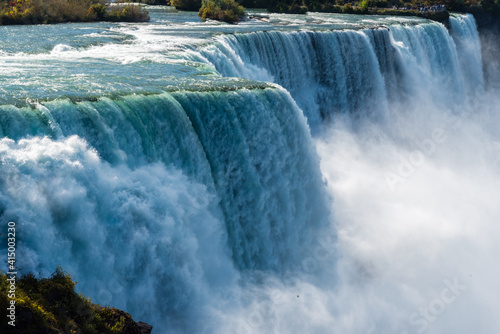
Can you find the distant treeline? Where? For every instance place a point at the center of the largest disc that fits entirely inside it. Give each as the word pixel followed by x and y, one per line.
pixel 59 11
pixel 355 6
pixel 383 7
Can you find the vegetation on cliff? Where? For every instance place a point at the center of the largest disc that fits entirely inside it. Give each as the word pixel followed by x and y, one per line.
pixel 51 305
pixel 59 11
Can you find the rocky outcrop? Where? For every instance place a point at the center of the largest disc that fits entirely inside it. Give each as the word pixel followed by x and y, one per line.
pixel 144 327
pixel 51 305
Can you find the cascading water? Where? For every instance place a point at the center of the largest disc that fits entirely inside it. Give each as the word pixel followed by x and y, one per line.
pixel 339 70
pixel 101 176
pixel 356 71
pixel 464 31
pixel 194 199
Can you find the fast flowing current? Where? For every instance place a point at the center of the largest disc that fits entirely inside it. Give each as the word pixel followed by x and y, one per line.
pixel 321 173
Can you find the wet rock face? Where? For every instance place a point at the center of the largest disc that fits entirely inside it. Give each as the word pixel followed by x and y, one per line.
pixel 489 30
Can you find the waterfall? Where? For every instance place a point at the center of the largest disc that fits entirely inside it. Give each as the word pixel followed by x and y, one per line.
pixel 158 187
pixel 325 72
pixel 464 32
pixel 162 203
pixel 358 71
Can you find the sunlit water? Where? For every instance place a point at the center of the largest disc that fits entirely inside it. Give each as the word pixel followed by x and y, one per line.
pixel 290 174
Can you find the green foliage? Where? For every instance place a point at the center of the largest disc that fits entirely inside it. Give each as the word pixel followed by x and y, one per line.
pixel 492 6
pixel 436 16
pixel 154 2
pixel 287 6
pixel 283 7
pixel 347 9
pixel 39 11
pixel 58 11
pixel 378 3
pixel 126 13
pixel 98 11
pixel 188 5
pixel 51 305
pixel 328 7
pixel 377 6
pixel 222 10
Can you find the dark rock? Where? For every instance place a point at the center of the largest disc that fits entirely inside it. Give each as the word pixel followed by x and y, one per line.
pixel 489 30
pixel 144 327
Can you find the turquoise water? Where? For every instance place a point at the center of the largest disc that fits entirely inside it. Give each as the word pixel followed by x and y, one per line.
pixel 90 60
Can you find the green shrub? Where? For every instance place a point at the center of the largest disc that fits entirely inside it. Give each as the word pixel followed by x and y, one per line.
pixel 155 2
pixel 347 9
pixel 187 5
pixel 98 11
pixel 126 13
pixel 379 3
pixel 222 10
pixel 296 9
pixel 289 6
pixel 330 8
